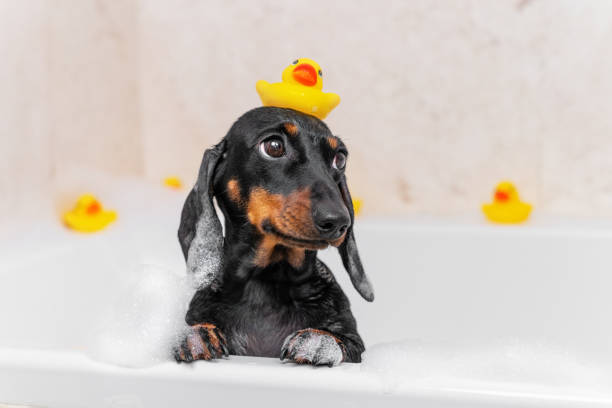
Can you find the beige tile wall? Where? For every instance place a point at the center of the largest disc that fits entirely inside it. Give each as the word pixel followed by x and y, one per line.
pixel 25 163
pixel 440 100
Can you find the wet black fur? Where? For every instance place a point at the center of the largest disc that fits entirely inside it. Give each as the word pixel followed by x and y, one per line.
pixel 257 308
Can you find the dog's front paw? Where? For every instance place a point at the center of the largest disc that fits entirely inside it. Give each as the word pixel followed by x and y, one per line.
pixel 202 342
pixel 312 346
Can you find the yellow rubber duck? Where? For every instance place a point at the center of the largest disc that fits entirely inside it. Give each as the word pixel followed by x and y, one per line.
pixel 357 203
pixel 173 182
pixel 300 89
pixel 88 215
pixel 507 207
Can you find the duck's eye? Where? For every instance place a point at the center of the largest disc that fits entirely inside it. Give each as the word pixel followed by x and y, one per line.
pixel 296 61
pixel 272 147
pixel 321 73
pixel 339 161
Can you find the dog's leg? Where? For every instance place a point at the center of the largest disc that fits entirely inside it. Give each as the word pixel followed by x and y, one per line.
pixel 202 342
pixel 335 338
pixel 320 347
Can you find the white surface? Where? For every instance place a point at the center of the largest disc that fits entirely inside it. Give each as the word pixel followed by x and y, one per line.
pixel 479 315
pixel 69 380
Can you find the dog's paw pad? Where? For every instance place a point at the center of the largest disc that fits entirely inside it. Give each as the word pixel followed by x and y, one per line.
pixel 312 346
pixel 201 342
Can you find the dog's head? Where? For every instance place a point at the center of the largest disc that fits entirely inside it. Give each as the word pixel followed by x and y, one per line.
pixel 280 174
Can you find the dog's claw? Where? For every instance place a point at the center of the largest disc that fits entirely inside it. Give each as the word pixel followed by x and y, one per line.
pixel 221 343
pixel 202 342
pixel 312 346
pixel 185 354
pixel 224 349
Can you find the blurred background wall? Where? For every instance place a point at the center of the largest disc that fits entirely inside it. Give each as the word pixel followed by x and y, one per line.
pixel 440 99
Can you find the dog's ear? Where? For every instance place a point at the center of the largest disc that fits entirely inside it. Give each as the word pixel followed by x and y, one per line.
pixel 348 251
pixel 200 233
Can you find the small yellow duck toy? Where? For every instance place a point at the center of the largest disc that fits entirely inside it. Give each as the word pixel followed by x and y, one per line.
pixel 357 203
pixel 88 215
pixel 300 89
pixel 173 182
pixel 507 207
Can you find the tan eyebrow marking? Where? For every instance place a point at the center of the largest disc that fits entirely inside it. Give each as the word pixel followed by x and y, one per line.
pixel 333 142
pixel 291 128
pixel 233 189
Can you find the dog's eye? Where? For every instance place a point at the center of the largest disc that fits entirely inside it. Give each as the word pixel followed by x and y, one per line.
pixel 339 161
pixel 272 147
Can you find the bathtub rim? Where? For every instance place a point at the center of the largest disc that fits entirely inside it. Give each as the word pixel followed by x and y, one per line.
pixel 20 368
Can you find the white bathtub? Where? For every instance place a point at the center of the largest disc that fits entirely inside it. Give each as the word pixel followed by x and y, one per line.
pixel 488 316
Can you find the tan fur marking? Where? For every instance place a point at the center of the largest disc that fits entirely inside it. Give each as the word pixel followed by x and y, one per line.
pixel 289 215
pixel 291 128
pixel 333 142
pixel 214 340
pixel 322 332
pixel 265 251
pixel 296 256
pixel 262 205
pixel 207 326
pixel 233 191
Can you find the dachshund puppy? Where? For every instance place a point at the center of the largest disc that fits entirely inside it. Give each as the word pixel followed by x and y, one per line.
pixel 278 177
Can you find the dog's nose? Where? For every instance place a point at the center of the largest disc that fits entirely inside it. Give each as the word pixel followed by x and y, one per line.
pixel 331 224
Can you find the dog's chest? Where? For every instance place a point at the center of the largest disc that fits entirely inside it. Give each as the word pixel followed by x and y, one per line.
pixel 263 319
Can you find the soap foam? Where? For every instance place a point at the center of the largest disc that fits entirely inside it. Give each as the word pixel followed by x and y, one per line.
pixel 146 320
pixel 537 364
pixel 206 248
pixel 147 289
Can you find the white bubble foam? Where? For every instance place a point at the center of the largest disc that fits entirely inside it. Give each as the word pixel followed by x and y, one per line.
pixel 206 248
pixel 145 321
pixel 536 364
pixel 142 289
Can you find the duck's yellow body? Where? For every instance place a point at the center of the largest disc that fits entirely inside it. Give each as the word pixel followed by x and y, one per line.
pixel 88 215
pixel 300 98
pixel 507 207
pixel 357 203
pixel 300 89
pixel 173 182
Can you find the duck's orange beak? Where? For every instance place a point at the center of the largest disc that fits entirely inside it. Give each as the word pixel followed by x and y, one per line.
pixel 305 74
pixel 93 208
pixel 501 196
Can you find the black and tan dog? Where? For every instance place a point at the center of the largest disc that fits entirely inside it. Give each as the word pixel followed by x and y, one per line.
pixel 278 176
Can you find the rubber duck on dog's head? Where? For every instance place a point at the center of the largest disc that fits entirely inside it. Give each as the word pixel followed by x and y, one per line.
pixel 300 89
pixel 305 72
